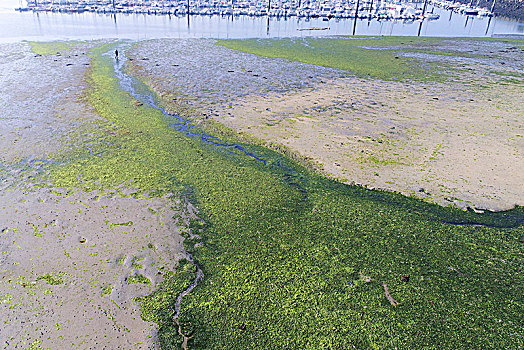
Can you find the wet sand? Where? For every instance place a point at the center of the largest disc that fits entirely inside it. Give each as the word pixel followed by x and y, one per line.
pixel 453 143
pixel 71 261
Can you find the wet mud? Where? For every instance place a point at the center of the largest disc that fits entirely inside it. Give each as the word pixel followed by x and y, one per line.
pixel 427 139
pixel 72 262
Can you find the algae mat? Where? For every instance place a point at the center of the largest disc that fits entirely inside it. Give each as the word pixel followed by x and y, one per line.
pixel 292 259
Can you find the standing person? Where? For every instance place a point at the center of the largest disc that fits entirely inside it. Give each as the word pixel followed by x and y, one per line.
pixel 116 54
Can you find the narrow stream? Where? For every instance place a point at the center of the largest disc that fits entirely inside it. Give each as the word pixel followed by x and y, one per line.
pixel 143 94
pixel 198 278
pixel 183 125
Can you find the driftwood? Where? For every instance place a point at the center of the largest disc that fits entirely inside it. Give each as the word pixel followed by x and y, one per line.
pixel 392 301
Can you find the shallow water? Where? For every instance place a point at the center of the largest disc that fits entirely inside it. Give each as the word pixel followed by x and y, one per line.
pixel 15 26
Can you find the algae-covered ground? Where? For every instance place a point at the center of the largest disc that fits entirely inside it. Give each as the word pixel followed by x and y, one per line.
pixel 291 259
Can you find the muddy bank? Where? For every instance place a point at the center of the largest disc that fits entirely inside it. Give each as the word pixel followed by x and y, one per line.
pixel 73 262
pixel 197 73
pixel 453 143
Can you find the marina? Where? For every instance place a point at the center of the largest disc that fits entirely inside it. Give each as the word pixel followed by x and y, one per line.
pixel 333 9
pixel 40 20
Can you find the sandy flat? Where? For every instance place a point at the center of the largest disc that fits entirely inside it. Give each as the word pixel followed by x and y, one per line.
pixel 91 246
pixel 443 143
pixel 458 143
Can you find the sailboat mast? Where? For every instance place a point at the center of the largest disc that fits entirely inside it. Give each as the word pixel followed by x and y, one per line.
pixel 493 6
pixel 422 17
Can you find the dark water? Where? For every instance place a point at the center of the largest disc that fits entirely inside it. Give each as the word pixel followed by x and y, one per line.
pixel 15 26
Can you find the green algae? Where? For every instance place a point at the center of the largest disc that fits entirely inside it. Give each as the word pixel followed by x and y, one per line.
pixel 284 248
pixel 121 260
pixel 127 223
pixel 52 47
pixel 106 290
pixel 365 57
pixel 374 57
pixel 139 278
pixel 52 279
pixel 35 345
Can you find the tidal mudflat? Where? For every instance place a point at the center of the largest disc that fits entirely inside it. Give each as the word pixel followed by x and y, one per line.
pixel 73 261
pixel 110 211
pixel 438 119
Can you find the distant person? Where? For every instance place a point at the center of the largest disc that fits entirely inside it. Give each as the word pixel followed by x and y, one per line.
pixel 116 54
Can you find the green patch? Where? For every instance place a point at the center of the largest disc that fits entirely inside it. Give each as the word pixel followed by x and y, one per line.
pixel 139 278
pixel 52 48
pixel 121 260
pixel 6 299
pixel 52 279
pixel 35 345
pixel 107 290
pixel 136 263
pixel 129 223
pixel 153 211
pixel 365 57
